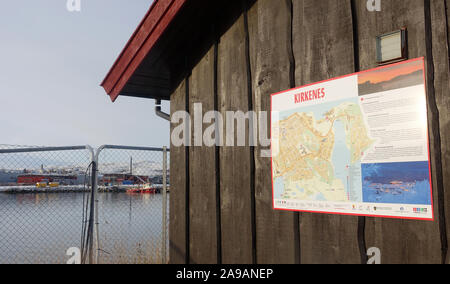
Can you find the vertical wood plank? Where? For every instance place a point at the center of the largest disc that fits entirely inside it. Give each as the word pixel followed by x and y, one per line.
pixel 202 199
pixel 235 182
pixel 269 35
pixel 323 49
pixel 400 241
pixel 446 124
pixel 177 224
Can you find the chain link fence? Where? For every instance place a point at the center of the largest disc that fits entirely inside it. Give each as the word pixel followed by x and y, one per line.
pixel 131 206
pixel 44 195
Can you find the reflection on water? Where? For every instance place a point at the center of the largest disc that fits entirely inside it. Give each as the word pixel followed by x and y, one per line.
pixel 39 228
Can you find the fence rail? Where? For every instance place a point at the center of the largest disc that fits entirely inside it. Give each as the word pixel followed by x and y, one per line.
pixel 107 205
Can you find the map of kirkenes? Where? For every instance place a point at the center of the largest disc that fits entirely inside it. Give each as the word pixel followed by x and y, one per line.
pixel 320 149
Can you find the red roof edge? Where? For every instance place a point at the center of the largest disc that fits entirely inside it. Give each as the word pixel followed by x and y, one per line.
pixel 129 42
pixel 147 34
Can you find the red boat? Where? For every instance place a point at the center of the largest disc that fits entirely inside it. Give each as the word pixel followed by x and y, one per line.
pixel 142 189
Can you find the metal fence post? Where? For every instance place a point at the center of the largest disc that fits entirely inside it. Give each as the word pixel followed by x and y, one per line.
pixel 95 247
pixel 95 188
pixel 95 194
pixel 164 208
pixel 93 216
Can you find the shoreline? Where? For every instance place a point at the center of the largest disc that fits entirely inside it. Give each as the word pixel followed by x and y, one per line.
pixel 68 189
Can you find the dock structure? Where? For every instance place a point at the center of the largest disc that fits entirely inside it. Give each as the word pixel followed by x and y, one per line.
pixel 73 189
pixel 35 189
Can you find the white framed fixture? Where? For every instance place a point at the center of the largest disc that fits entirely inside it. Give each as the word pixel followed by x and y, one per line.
pixel 392 47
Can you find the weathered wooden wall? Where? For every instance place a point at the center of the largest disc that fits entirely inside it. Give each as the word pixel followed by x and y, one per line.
pixel 269 36
pixel 272 46
pixel 202 194
pixel 440 48
pixel 323 48
pixel 235 188
pixel 177 224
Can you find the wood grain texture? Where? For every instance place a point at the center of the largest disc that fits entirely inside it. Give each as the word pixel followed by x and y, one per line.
pixel 177 224
pixel 400 241
pixel 269 35
pixel 235 174
pixel 202 199
pixel 446 124
pixel 440 43
pixel 323 49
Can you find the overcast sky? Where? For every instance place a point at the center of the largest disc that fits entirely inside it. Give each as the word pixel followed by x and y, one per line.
pixel 52 62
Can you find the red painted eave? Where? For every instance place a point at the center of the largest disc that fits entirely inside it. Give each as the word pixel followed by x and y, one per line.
pixel 149 31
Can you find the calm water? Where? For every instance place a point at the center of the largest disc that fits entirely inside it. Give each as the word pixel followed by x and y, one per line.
pixel 39 228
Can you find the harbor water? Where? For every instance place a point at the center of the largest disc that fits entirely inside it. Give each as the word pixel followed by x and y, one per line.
pixel 41 227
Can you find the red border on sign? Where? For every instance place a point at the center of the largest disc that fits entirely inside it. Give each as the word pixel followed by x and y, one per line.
pixel 354 214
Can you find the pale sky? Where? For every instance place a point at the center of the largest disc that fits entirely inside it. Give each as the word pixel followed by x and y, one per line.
pixel 52 62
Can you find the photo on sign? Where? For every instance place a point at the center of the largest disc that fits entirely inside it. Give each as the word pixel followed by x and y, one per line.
pixel 400 183
pixel 391 78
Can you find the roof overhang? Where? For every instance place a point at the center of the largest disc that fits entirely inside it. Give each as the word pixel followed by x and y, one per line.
pixel 173 36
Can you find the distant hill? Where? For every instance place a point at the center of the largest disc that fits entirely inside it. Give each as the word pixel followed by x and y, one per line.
pixel 402 81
